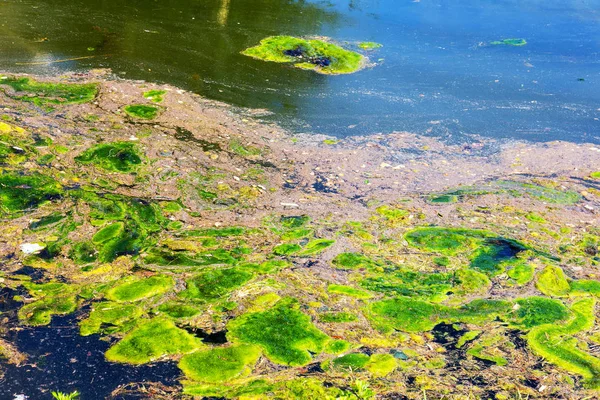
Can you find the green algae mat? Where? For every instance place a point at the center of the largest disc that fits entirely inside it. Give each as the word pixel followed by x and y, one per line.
pixel 311 54
pixel 163 252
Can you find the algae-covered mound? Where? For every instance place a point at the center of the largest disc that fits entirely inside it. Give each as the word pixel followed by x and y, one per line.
pixel 313 54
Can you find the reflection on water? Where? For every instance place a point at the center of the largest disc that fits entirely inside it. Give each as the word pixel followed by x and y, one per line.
pixel 436 74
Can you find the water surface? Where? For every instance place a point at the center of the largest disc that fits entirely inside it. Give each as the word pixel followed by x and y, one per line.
pixel 435 75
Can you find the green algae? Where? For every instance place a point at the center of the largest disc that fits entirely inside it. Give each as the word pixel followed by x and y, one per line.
pixel 521 272
pixel 595 175
pixel 349 291
pixel 121 157
pixel 337 346
pixel 134 288
pixel 317 55
pixel 392 215
pixel 352 361
pixel 510 42
pixel 46 93
pixel 244 150
pixel 219 364
pixel 352 261
pixel 152 340
pixel 412 315
pixel 294 221
pixel 173 259
pixel 52 298
pixel 513 188
pixel 584 287
pixel 481 352
pixel 448 241
pixel 21 192
pixel 534 311
pixel 109 232
pixel 216 232
pixel 179 310
pixel 380 365
pixel 155 96
pixel 467 337
pixel 493 256
pixel 433 286
pixel 552 281
pixel 337 317
pixel 108 317
pixel 370 45
pixel 215 283
pixel 141 111
pixel 285 334
pixel 315 247
pixel 46 221
pixel 295 234
pixel 556 344
pixel 287 249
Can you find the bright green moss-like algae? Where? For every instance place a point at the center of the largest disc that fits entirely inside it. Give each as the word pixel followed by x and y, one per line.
pixel 48 93
pixel 313 54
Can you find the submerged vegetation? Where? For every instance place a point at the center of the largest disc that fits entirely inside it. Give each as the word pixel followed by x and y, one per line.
pixel 178 252
pixel 313 54
pixel 510 42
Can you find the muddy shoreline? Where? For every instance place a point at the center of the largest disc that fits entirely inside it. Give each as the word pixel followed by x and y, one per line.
pixel 203 187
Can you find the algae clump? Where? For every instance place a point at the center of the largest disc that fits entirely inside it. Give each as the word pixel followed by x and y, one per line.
pixel 134 288
pixel 212 284
pixel 155 96
pixel 557 345
pixel 116 156
pixel 20 192
pixel 142 111
pixel 152 340
pixel 286 335
pixel 219 364
pixel 317 55
pixel 552 282
pixel 107 317
pixel 510 42
pixel 46 93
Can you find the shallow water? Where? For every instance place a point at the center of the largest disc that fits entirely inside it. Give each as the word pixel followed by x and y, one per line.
pixel 436 73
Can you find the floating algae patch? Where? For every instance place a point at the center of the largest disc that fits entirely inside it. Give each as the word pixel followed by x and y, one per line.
pixel 552 281
pixel 411 315
pixel 431 286
pixel 316 55
pixel 448 241
pixel 220 364
pixel 353 261
pixel 47 94
pixel 315 247
pixel 21 192
pixel 142 111
pixel 513 188
pixel 285 334
pixel 370 45
pixel 214 283
pixel 178 310
pixel 52 298
pixel 510 42
pixel 152 340
pixel 557 345
pixel 166 259
pixel 116 156
pixel 155 96
pixel 522 272
pixel 349 291
pixel 134 288
pixel 495 254
pixel 534 311
pixel 337 317
pixel 109 317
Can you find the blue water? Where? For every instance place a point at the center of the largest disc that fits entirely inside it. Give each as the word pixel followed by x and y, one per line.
pixel 437 73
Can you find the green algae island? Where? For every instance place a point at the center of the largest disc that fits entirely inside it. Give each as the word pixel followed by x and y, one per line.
pixel 164 237
pixel 311 54
pixel 509 42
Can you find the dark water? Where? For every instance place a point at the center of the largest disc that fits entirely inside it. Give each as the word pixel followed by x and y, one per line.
pixel 436 76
